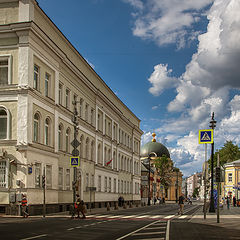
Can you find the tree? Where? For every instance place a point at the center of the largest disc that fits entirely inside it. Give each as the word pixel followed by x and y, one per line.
pixel 164 167
pixel 228 153
pixel 196 192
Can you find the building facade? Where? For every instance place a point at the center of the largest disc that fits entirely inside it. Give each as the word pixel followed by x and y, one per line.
pixel 41 74
pixel 232 179
pixel 193 182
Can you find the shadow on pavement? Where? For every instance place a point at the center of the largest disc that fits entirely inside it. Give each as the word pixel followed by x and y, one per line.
pixel 188 230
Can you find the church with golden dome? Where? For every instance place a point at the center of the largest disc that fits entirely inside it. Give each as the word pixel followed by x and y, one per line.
pixel 159 178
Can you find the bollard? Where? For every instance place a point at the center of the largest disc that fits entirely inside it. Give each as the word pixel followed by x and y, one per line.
pixel 116 206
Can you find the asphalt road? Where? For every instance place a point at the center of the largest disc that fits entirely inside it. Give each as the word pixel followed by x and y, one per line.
pixel 136 223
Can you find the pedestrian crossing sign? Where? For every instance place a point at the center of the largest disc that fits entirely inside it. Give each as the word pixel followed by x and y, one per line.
pixel 74 161
pixel 206 136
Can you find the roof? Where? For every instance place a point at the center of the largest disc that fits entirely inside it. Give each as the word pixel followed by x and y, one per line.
pixel 237 162
pixel 154 147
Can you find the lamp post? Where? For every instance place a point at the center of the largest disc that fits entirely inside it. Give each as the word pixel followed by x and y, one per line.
pixel 212 125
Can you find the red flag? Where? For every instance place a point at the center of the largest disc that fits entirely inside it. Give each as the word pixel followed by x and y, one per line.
pixel 107 163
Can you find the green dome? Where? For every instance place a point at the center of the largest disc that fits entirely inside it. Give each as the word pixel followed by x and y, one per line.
pixel 155 147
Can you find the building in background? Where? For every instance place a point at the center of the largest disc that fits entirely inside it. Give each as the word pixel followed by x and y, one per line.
pixel 232 179
pixel 41 74
pixel 194 182
pixel 150 152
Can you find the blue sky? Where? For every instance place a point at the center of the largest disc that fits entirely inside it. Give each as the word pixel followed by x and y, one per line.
pixel 172 62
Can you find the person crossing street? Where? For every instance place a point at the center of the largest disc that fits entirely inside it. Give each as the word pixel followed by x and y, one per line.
pixel 24 206
pixel 181 204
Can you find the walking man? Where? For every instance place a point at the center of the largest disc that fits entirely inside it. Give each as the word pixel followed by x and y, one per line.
pixel 181 204
pixel 24 206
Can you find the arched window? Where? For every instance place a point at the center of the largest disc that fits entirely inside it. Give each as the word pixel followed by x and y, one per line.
pixel 109 157
pixel 99 154
pixel 114 160
pixel 67 140
pixel 92 150
pixel 60 137
pixel 3 124
pixel 36 128
pixel 87 148
pixel 81 146
pixel 47 131
pixel 105 155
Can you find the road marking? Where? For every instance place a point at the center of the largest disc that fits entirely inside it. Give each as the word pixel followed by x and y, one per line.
pixel 168 230
pixel 78 227
pixel 129 234
pixel 183 216
pixel 129 216
pixel 34 237
pixel 147 233
pixel 118 216
pixel 70 229
pixel 143 216
pixel 170 216
pixel 157 216
pixel 102 216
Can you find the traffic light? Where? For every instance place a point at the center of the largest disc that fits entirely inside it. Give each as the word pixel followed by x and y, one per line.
pixel 218 174
pixel 43 181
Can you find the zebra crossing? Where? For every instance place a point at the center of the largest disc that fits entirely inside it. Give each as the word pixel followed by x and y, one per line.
pixel 136 217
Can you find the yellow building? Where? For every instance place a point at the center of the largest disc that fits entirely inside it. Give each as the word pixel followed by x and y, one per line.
pixel 232 179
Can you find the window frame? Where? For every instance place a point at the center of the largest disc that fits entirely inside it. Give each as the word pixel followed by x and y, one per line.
pixel 4 184
pixel 36 138
pixel 8 57
pixel 36 82
pixel 8 122
pixel 47 91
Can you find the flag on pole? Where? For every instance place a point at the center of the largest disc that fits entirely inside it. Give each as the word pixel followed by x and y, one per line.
pixel 107 163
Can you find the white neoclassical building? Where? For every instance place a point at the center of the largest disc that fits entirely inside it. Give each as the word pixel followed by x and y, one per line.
pixel 41 74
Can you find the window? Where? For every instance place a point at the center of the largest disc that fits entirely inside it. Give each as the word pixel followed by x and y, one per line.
pixel 87 148
pixel 36 127
pixel 99 183
pixel 67 98
pixel 92 151
pixel 47 131
pixel 47 85
pixel 3 174
pixel 4 71
pixel 67 142
pixel 86 112
pixel 36 77
pixel 37 175
pixel 230 177
pixel 49 176
pixel 60 88
pixel 110 185
pixel 67 179
pixel 99 154
pixel 60 178
pixel 92 117
pixel 92 181
pixel 115 185
pixel 3 124
pixel 81 108
pixel 60 129
pixel 105 184
pixel 87 180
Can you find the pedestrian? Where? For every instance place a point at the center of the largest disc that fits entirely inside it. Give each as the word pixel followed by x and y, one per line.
pixel 234 201
pixel 163 200
pixel 80 207
pixel 160 200
pixel 181 204
pixel 24 206
pixel 228 202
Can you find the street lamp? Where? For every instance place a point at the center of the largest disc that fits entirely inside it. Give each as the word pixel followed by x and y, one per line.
pixel 212 125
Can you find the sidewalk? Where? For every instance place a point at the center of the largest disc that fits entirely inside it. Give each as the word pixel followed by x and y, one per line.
pixel 199 228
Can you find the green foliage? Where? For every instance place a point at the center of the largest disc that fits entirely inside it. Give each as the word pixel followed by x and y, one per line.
pixel 228 153
pixel 196 192
pixel 164 167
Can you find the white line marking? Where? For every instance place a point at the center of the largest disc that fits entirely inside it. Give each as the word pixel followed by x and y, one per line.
pixel 143 216
pixel 157 216
pixel 129 234
pixel 43 235
pixel 118 216
pixel 168 230
pixel 170 216
pixel 147 233
pixel 102 216
pixel 129 216
pixel 70 229
pixel 183 216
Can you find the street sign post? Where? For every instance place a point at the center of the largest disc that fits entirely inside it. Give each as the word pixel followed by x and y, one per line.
pixel 74 161
pixel 205 136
